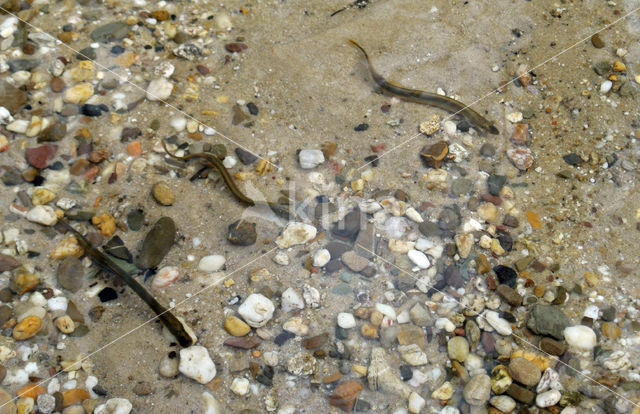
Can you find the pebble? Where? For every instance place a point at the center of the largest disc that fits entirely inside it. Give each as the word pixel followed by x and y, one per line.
pixel 547 320
pixel 581 337
pixel 65 324
pixel 444 392
pixel 240 386
pixel 169 367
pixel 431 126
pixel 39 157
pixel 413 355
pixel 162 194
pixel 416 403
pixel 510 295
pixel 295 233
pixel 310 158
pixel 354 261
pixel 256 310
pixel 346 320
pixel 114 406
pixel 345 395
pixel 380 375
pixel 477 391
pixel 321 257
pixel 606 86
pixel 302 364
pixel 165 277
pixel 245 157
pixel 548 398
pixel 70 273
pixel 596 41
pixel 79 93
pixel 500 325
pixel 242 233
pixel 196 364
pixel 433 155
pixel 281 258
pixel 514 117
pixel 159 89
pixel 611 330
pixel 291 300
pixel 487 212
pixel 419 259
pixel 503 403
pixel 44 215
pixel 524 371
pixel 236 326
pixel 157 243
pixel 458 348
pixel 521 158
pixel 46 403
pixel 27 328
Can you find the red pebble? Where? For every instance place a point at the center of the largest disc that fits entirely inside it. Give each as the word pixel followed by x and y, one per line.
pixel 491 282
pixel 235 47
pixel 492 199
pixel 39 157
pixel 378 147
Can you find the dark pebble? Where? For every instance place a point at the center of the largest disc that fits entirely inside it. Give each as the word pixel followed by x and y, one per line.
pixel 253 108
pixel 315 342
pixel 283 337
pixel 11 97
pixel 115 247
pixel 429 228
pixel 461 186
pixel 548 320
pixel 551 346
pixel 129 134
pixel 506 275
pixel 361 127
pixel 8 262
pixel 433 155
pixel 510 295
pixel 453 277
pixel 6 295
pixel 264 380
pixel 5 314
pixel 17 65
pixel 463 125
pixel 348 227
pixel 10 175
pixel 142 388
pixel 55 132
pixel 406 373
pixel 70 273
pixel 609 313
pixel 372 159
pixel 449 218
pixel 235 47
pixel 572 159
pixel 495 184
pixel 511 221
pixel 135 219
pixel 243 342
pixel 520 393
pixel 245 157
pixel 100 390
pixel 93 110
pixel 242 233
pixel 107 294
pixel 157 243
pixel 67 27
pixel 341 333
pixel 506 242
pixel 596 41
pixel 117 50
pixel 88 53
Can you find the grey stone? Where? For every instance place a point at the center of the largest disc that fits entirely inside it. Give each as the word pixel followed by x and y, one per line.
pixel 110 32
pixel 70 273
pixel 547 320
pixel 157 243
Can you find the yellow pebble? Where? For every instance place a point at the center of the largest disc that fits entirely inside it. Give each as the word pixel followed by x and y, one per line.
pixel 27 328
pixel 619 66
pixel 65 324
pixel 42 196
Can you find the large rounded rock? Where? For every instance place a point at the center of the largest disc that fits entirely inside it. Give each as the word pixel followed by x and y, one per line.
pixel 524 371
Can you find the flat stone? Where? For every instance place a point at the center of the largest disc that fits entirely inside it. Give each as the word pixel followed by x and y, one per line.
pixel 157 243
pixel 11 97
pixel 524 371
pixel 520 393
pixel 39 157
pixel 70 273
pixel 242 233
pixel 245 157
pixel 552 346
pixel 349 226
pixel 547 320
pixel 163 194
pixel 345 394
pixel 510 295
pixel 354 261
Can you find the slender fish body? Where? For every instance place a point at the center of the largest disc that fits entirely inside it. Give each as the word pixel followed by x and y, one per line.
pixel 426 98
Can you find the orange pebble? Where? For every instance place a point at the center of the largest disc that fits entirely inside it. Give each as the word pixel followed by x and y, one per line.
pixel 134 149
pixel 70 397
pixel 31 391
pixel 534 220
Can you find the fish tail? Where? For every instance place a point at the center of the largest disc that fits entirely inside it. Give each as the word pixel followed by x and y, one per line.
pixel 379 79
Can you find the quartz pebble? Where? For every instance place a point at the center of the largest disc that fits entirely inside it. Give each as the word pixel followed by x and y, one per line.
pixel 321 257
pixel 504 403
pixel 346 320
pixel 548 398
pixel 240 386
pixel 419 259
pixel 581 337
pixel 44 215
pixel 295 233
pixel 159 89
pixel 211 263
pixel 256 310
pixel 477 391
pixel 291 300
pixel 310 158
pixel 416 403
pixel 196 364
pixel 114 406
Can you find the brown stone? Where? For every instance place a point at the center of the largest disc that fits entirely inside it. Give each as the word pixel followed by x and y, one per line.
pixel 79 167
pixel 524 371
pixel 520 393
pixel 611 330
pixel 520 134
pixel 433 155
pixel 411 334
pixel 235 47
pixel 482 264
pixel 160 15
pixel 510 295
pixel 316 342
pixel 74 396
pixel 57 84
pixel 27 328
pixel 97 156
pixel 369 331
pixel 39 157
pixel 551 346
pixel 243 342
pixel 8 262
pixel 345 394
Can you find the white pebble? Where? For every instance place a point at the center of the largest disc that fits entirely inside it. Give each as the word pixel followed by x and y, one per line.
pixel 256 310
pixel 240 386
pixel 514 117
pixel 281 258
pixel 223 21
pixel 212 406
pixel 159 89
pixel 369 206
pixel 386 310
pixel 37 298
pixel 165 276
pixel 346 320
pixel 502 326
pixel 179 123
pixel 16 376
pixel 592 312
pixel 44 215
pixel 5 116
pixel 416 403
pixel 211 263
pixel 446 324
pixel 196 364
pixel 18 126
pixel 581 337
pixel 296 325
pixel 413 215
pixel 321 257
pixel 229 161
pixel 548 398
pixel 209 131
pixel 606 86
pixel 311 296
pixel 450 128
pixel 419 259
pixel 404 316
pixel 310 158
pixel 59 303
pixel 504 403
pixel 295 233
pixel 395 227
pixel 89 383
pixel 114 406
pixel 291 300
